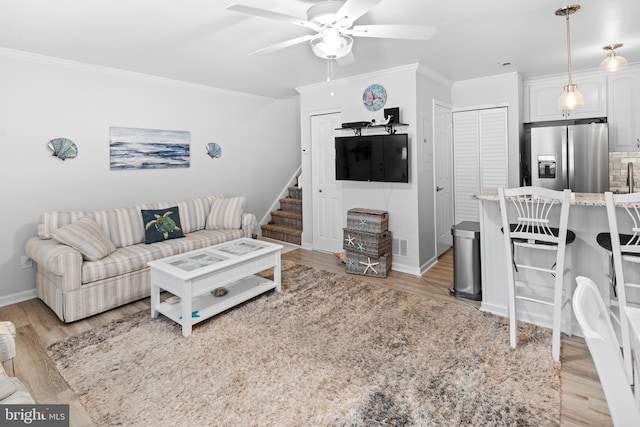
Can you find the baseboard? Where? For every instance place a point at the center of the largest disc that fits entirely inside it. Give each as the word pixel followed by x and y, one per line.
pixel 405 269
pixel 427 265
pixel 18 297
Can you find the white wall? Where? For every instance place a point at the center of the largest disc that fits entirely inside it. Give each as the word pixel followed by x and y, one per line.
pixel 400 200
pixel 430 87
pixel 45 98
pixel 503 89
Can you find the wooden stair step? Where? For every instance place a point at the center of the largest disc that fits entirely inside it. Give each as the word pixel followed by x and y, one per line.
pixel 291 205
pixel 282 233
pixel 295 192
pixel 291 200
pixel 287 219
pixel 288 214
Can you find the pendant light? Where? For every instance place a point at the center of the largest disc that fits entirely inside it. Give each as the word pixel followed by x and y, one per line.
pixel 613 62
pixel 571 98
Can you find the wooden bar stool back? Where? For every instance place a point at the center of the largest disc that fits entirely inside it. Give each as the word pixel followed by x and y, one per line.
pixel 536 218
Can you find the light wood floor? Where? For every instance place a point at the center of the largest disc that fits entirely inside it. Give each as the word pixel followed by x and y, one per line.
pixel 583 402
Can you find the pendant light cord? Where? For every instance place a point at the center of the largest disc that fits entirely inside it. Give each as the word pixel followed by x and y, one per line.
pixel 568 47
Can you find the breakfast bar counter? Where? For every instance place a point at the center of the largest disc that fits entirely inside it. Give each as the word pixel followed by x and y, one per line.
pixel 587 218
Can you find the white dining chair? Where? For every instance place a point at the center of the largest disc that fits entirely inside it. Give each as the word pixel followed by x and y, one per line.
pixel 593 318
pixel 536 218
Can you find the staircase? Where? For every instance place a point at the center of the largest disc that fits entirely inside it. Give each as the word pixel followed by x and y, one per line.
pixel 286 222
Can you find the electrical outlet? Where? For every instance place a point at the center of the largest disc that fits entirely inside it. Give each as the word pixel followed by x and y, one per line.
pixel 25 262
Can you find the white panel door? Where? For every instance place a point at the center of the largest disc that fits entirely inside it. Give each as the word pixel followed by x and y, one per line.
pixel 444 177
pixel 466 154
pixel 327 195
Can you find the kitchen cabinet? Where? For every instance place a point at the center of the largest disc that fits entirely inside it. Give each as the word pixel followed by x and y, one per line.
pixel 541 98
pixel 624 110
pixel 480 152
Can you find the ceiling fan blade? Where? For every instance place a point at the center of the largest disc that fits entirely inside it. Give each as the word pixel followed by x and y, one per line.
pixel 346 60
pixel 262 13
pixel 351 10
pixel 283 45
pixel 415 32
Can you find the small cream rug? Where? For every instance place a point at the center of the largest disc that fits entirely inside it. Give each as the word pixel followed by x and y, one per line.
pixel 330 350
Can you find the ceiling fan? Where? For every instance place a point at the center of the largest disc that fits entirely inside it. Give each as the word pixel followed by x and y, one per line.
pixel 333 22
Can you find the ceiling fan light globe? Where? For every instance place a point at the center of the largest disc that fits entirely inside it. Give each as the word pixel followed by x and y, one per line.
pixel 571 98
pixel 613 63
pixel 331 45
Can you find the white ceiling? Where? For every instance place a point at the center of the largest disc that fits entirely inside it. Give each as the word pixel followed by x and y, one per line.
pixel 200 41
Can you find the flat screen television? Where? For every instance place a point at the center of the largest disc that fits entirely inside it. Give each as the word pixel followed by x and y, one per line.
pixel 383 158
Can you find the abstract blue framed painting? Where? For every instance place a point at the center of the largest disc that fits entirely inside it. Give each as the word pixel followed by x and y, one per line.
pixel 133 148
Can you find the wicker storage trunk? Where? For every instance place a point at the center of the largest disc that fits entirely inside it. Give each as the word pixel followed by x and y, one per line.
pixel 372 244
pixel 368 220
pixel 365 265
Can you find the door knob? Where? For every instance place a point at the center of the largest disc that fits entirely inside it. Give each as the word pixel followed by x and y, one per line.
pixel 319 191
pixel 439 188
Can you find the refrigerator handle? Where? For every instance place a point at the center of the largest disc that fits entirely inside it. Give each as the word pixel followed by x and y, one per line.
pixel 571 161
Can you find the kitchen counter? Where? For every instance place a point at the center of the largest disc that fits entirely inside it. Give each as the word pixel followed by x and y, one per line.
pixel 577 199
pixel 587 218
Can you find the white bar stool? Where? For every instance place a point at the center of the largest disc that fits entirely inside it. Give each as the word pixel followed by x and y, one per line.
pixel 625 251
pixel 536 218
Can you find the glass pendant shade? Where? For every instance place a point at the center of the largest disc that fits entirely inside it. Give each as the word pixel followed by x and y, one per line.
pixel 330 44
pixel 613 62
pixel 571 98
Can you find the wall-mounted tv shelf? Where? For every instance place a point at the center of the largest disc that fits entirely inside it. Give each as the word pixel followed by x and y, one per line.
pixel 388 127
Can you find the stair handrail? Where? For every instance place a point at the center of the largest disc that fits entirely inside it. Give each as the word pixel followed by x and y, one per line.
pixel 292 181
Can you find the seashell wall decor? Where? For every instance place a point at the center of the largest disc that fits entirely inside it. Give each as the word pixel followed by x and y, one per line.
pixel 213 150
pixel 63 148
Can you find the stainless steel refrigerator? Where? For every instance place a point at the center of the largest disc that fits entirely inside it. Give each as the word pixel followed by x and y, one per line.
pixel 570 156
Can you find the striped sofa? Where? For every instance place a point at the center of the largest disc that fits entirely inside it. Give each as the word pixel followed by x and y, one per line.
pixel 75 284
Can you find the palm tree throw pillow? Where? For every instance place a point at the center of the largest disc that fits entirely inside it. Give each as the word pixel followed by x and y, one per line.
pixel 161 224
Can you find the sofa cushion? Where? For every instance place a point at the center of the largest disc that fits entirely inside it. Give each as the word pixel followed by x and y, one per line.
pixel 87 237
pixel 161 224
pixel 193 212
pixel 135 257
pixel 226 213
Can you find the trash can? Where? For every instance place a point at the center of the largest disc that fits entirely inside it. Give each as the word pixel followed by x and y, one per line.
pixel 466 261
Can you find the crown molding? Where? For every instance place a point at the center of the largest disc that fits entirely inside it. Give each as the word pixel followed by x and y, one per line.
pixel 425 71
pixel 370 75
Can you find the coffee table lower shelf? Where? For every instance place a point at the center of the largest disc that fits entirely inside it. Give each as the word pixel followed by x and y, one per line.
pixel 206 305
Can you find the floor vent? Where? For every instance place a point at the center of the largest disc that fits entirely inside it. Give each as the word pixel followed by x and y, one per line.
pixel 400 247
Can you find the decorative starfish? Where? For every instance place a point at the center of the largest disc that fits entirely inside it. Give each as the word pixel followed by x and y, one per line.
pixel 363 223
pixel 369 265
pixel 360 247
pixel 349 240
pixel 350 263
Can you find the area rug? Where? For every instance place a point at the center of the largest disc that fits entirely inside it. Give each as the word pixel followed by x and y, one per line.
pixel 330 350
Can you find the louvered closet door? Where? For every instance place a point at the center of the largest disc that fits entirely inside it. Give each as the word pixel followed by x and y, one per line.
pixel 480 142
pixel 493 147
pixel 466 171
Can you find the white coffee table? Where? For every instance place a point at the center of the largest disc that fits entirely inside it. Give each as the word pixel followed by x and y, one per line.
pixel 192 276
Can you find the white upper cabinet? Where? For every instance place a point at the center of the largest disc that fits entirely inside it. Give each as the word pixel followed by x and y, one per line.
pixel 541 98
pixel 624 110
